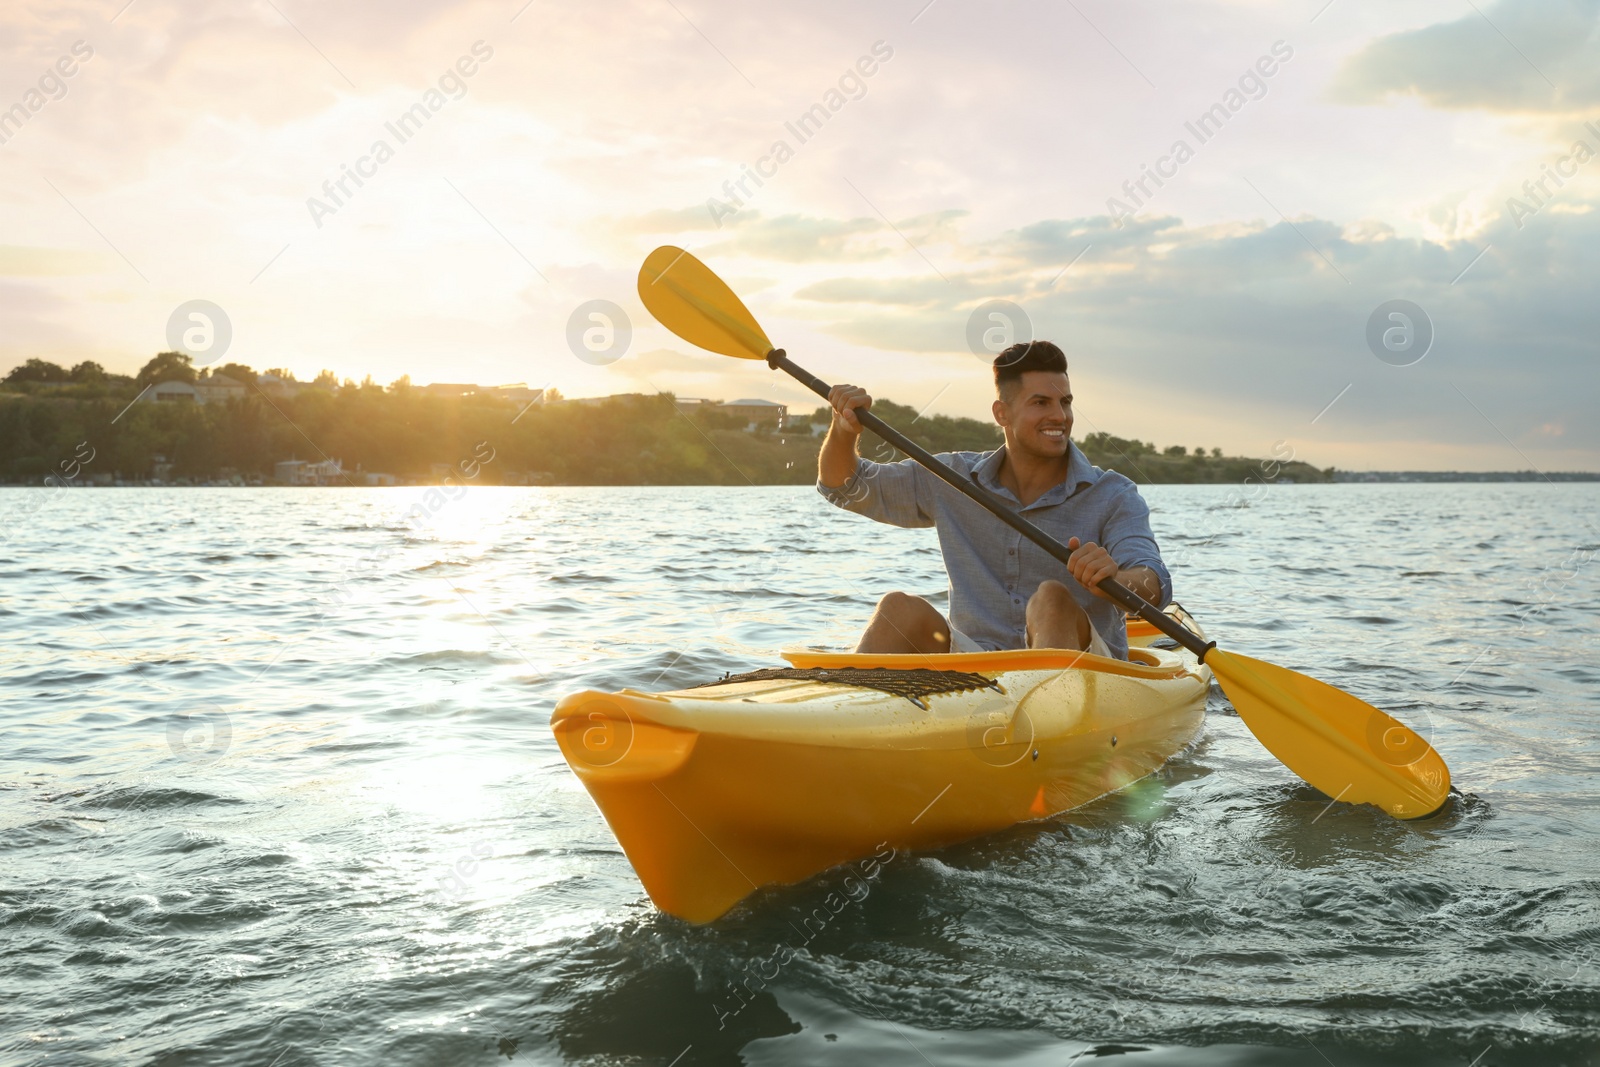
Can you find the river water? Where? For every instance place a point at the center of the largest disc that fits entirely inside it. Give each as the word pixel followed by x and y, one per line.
pixel 278 788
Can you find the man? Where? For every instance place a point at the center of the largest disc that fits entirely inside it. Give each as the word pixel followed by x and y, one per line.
pixel 1005 591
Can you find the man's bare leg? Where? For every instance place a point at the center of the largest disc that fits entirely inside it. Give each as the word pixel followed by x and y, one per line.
pixel 904 623
pixel 1055 619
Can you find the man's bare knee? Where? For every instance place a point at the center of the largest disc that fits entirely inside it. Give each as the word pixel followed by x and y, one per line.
pixel 1055 619
pixel 898 602
pixel 903 622
pixel 1053 596
pixel 1051 587
pixel 912 612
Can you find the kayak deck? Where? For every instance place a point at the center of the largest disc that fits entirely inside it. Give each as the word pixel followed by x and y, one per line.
pixel 716 791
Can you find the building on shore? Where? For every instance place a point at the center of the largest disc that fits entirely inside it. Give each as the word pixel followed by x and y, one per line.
pixel 216 388
pixel 300 472
pixel 171 392
pixel 213 389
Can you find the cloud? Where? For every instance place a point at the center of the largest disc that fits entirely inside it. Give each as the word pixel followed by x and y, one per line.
pixel 932 227
pixel 1272 316
pixel 1058 241
pixel 917 292
pixel 803 239
pixel 1516 55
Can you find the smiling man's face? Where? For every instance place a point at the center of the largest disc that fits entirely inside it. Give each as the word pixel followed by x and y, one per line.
pixel 1036 414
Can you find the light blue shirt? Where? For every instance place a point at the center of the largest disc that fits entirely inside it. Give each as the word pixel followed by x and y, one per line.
pixel 993 569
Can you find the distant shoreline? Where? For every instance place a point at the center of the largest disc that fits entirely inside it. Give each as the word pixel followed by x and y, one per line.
pixel 235 427
pixel 1372 477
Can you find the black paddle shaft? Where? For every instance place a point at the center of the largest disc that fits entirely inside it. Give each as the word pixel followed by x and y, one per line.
pixel 778 360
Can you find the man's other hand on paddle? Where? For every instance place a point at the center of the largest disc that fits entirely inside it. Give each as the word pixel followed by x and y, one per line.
pixel 1090 565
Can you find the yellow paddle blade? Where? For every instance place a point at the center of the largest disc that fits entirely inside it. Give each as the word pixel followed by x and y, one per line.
pixel 1345 747
pixel 688 299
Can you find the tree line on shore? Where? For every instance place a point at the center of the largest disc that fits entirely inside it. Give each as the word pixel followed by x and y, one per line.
pixel 52 415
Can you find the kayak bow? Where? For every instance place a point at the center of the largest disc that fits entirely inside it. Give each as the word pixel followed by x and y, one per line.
pixel 716 791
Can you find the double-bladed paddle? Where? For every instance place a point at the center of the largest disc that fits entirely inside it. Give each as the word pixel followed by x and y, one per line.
pixel 1343 746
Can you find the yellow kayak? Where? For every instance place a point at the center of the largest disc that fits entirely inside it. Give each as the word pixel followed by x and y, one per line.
pixel 771 777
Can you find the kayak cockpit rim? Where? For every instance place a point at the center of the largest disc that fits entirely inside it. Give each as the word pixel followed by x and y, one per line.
pixel 1141 662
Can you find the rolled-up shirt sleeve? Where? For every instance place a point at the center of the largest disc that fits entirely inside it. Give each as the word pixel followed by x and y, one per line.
pixel 893 493
pixel 1131 542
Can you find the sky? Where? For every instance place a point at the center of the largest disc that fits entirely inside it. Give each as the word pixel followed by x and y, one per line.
pixel 957 154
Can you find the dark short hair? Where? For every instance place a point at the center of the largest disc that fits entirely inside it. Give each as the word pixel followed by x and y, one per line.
pixel 1024 356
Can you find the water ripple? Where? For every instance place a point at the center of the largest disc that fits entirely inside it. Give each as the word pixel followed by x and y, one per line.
pixel 279 788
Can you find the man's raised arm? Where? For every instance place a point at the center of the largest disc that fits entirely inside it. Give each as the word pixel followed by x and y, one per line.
pixel 836 463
